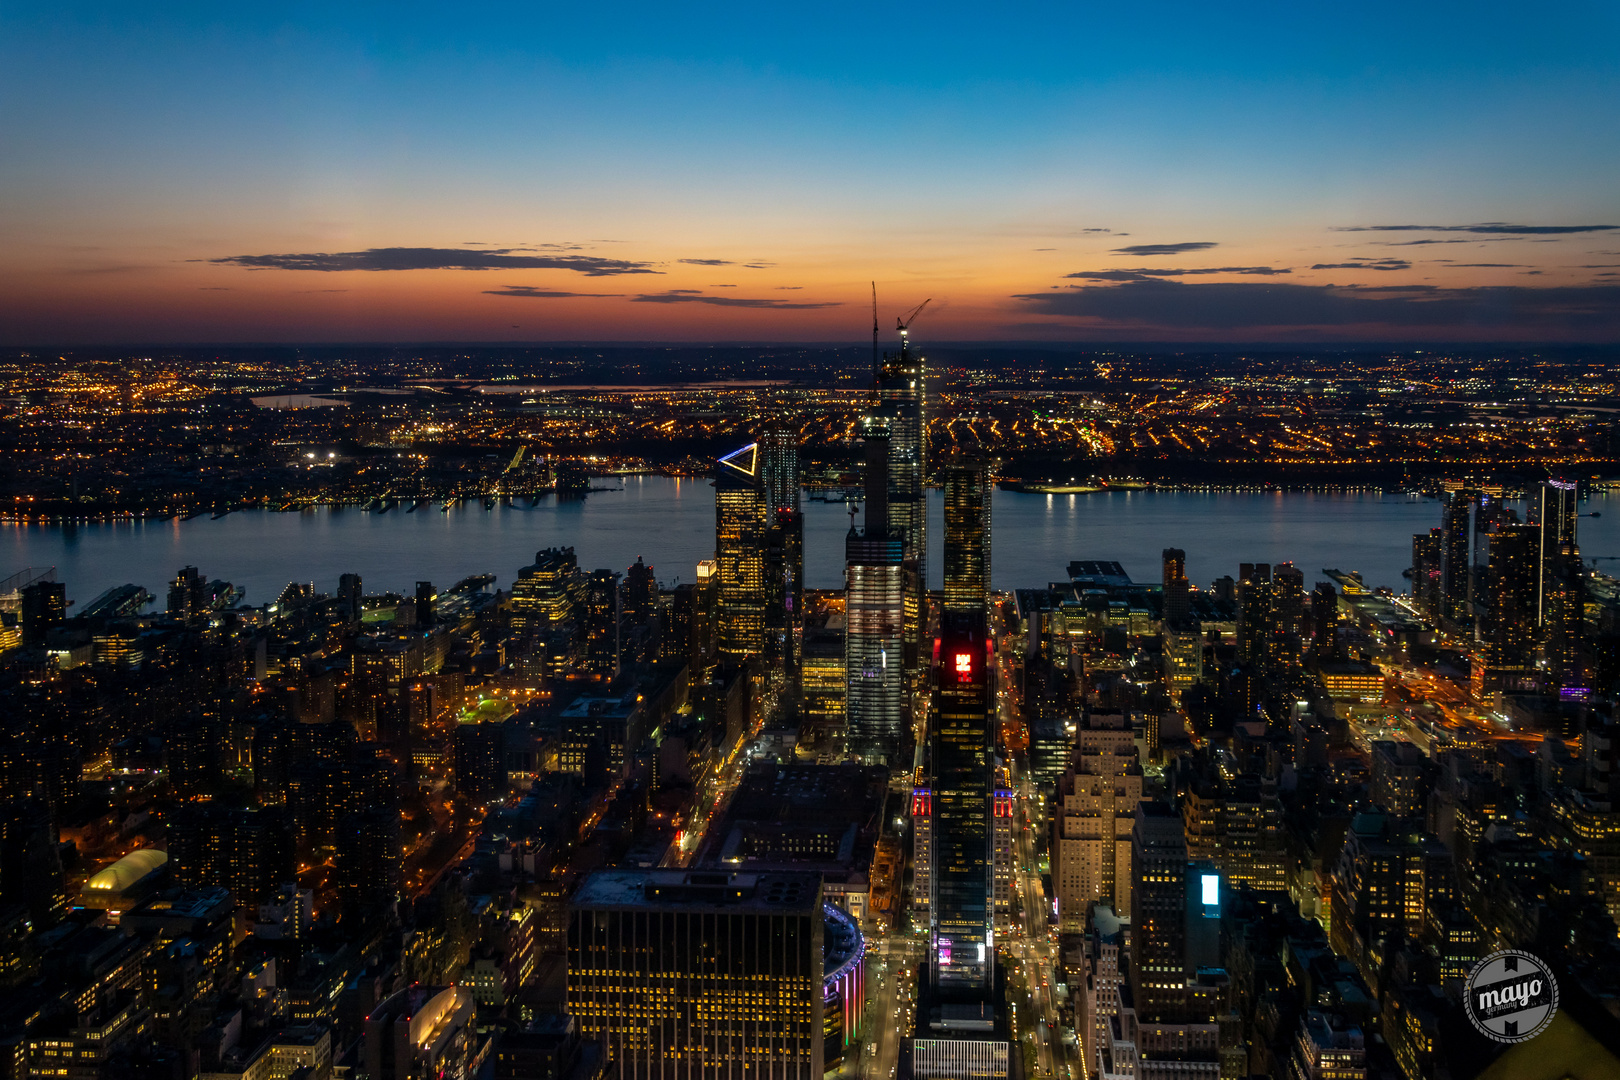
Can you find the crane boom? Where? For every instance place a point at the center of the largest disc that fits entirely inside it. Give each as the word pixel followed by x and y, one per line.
pixel 903 323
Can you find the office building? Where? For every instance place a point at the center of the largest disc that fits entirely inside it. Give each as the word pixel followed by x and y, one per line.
pixel 640 593
pixel 822 680
pixel 1158 912
pixel 367 864
pixel 1094 810
pixel 1176 587
pixel 249 852
pixel 1183 660
pixel 825 819
pixel 1426 579
pixel 706 975
pixel 779 449
pixel 44 607
pixel 1507 627
pixel 349 597
pixel 548 601
pixel 1288 602
pixel 877 717
pixel 967 537
pixel 602 625
pixel 739 543
pixel 1324 623
pixel 784 597
pixel 479 749
pixel 1256 614
pixel 1401 778
pixel 962 894
pixel 427 605
pixel 1455 522
pixel 1561 604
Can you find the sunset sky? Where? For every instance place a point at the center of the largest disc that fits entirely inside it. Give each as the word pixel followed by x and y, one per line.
pixel 545 172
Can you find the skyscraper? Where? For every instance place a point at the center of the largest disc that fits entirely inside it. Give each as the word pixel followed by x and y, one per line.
pixel 876 713
pixel 602 641
pixel 967 537
pixel 961 735
pixel 1176 606
pixel 739 527
pixel 779 448
pixel 348 596
pixel 784 553
pixel 962 897
pixel 1454 562
pixel 640 592
pixel 427 599
pixel 44 607
pixel 1426 549
pixel 1508 593
pixel 784 594
pixel 1256 615
pixel 1158 911
pixel 1561 601
pixel 1287 601
pixel 701 975
pixel 1324 623
pixel 902 406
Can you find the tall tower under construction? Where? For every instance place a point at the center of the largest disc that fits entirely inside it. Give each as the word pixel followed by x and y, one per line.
pixel 877 719
pixel 901 403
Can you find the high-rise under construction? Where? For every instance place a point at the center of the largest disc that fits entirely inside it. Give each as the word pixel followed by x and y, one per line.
pixel 902 404
pixel 877 719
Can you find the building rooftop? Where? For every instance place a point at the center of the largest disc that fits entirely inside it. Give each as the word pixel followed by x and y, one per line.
pixel 702 890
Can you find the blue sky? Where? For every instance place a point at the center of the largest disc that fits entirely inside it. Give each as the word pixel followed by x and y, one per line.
pixel 960 152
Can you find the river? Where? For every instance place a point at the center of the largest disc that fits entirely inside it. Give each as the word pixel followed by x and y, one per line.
pixel 671 524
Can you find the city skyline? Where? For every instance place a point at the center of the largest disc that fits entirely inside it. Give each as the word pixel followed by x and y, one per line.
pixel 212 176
pixel 479 608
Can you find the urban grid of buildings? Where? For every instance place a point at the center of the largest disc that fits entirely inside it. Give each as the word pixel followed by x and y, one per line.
pixel 738 829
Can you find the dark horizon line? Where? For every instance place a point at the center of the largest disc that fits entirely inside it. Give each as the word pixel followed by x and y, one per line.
pixel 988 343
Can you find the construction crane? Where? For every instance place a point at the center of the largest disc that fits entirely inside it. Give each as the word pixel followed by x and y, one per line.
pixel 875 364
pixel 903 323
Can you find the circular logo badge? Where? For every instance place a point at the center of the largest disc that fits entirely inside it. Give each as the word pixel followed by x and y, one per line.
pixel 1511 996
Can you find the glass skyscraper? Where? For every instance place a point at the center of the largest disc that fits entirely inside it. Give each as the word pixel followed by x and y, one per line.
pixel 961 737
pixel 902 406
pixel 962 892
pixel 739 547
pixel 967 537
pixel 876 713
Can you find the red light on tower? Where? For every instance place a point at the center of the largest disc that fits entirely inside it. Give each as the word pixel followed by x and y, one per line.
pixel 964 666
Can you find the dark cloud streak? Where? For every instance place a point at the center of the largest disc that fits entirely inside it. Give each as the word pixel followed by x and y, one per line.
pixel 688 296
pixel 401 258
pixel 1366 264
pixel 530 292
pixel 1487 227
pixel 1165 249
pixel 1142 273
pixel 1589 310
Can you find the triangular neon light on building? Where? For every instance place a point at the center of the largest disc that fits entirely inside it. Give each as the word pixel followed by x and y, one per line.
pixel 749 465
